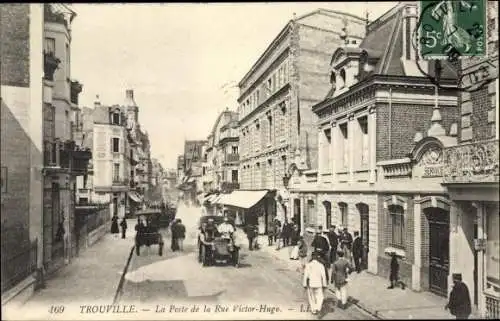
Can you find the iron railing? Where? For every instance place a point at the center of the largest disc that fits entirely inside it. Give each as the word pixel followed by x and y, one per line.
pixel 492 307
pixel 19 266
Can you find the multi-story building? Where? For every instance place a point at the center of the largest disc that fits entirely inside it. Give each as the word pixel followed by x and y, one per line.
pixel 21 145
pixel 276 96
pixel 157 172
pixel 39 159
pixel 64 160
pixel 382 128
pixel 192 183
pixel 111 157
pixel 471 176
pixel 220 172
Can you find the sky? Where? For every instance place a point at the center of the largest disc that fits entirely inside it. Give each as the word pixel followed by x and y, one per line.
pixel 183 61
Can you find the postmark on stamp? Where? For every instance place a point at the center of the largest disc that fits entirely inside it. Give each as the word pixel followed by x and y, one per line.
pixel 452 29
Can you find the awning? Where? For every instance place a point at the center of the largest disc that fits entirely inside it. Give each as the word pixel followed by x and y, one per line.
pixel 190 180
pixel 242 199
pixel 135 197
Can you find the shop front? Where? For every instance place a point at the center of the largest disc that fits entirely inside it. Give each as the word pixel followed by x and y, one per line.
pixel 472 182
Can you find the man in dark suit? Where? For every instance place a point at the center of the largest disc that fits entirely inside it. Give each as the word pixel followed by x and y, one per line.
pixel 357 251
pixel 321 245
pixel 334 243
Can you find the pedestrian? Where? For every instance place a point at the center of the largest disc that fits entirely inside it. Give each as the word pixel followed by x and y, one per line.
pixel 114 225
pixel 181 234
pixel 315 283
pixel 123 224
pixel 459 301
pixel 394 273
pixel 251 235
pixel 321 244
pixel 173 230
pixel 357 251
pixel 294 242
pixel 286 234
pixel 139 234
pixel 346 244
pixel 201 238
pixel 270 234
pixel 340 272
pixel 279 237
pixel 302 245
pixel 334 243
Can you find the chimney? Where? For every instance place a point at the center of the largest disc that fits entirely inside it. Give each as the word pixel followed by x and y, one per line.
pixel 129 93
pixel 129 98
pixel 97 102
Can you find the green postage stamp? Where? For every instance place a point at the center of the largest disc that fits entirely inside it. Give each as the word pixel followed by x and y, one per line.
pixel 452 29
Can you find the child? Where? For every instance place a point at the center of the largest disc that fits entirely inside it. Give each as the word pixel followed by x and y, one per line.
pixel 394 275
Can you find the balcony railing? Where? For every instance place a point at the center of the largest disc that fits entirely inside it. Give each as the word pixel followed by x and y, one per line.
pixel 492 307
pixel 66 155
pixel 230 158
pixel 471 163
pixel 229 186
pixel 117 181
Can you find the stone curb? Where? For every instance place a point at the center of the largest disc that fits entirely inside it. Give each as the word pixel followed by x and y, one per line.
pixel 119 289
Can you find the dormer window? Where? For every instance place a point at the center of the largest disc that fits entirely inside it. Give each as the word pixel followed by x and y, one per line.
pixel 115 118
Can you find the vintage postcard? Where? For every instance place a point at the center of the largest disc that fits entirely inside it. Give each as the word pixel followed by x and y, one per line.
pixel 250 161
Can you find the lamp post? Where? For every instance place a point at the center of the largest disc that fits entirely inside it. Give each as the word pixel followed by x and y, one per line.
pixel 286 182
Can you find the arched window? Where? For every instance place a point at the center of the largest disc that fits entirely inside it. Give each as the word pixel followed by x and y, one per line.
pixel 328 213
pixel 333 79
pixel 115 118
pixel 310 213
pixel 396 221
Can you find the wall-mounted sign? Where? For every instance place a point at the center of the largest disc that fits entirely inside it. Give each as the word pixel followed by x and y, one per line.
pixel 431 163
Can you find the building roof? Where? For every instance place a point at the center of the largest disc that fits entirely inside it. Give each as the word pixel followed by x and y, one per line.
pixel 284 31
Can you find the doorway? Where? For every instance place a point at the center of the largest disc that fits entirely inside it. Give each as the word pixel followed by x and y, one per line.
pixel 439 250
pixel 364 233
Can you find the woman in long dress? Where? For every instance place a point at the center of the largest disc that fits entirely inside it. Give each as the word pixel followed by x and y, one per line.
pixel 114 225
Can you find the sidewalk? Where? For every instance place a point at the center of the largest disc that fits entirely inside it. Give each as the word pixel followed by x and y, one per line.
pixel 92 277
pixel 369 292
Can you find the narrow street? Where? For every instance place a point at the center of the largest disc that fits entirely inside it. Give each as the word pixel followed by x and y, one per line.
pixel 261 284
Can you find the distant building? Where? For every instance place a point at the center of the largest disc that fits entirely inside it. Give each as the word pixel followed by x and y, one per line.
pixel 221 168
pixel 191 183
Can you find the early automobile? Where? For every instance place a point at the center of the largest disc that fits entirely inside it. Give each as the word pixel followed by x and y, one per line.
pixel 217 247
pixel 148 234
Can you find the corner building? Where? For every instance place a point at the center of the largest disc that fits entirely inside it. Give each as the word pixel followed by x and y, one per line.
pixel 276 96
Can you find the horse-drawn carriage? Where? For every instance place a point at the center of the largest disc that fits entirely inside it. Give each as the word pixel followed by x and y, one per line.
pixel 149 233
pixel 217 248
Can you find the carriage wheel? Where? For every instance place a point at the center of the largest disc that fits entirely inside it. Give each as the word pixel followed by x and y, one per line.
pixel 160 249
pixel 137 249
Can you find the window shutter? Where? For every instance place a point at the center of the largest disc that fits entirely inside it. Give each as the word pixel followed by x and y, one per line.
pixel 111 144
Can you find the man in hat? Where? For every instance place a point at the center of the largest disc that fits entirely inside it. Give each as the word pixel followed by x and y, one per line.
pixel 340 272
pixel 459 302
pixel 315 282
pixel 346 243
pixel 321 244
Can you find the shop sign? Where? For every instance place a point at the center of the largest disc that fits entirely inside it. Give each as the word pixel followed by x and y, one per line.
pixel 431 163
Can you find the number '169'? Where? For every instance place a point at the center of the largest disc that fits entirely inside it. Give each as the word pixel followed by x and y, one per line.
pixel 56 309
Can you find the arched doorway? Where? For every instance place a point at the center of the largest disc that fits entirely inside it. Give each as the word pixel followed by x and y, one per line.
pixel 439 249
pixel 363 210
pixel 328 213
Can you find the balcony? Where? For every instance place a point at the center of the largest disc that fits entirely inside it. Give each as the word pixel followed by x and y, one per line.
pixel 66 156
pixel 471 163
pixel 75 90
pixel 50 65
pixel 229 186
pixel 117 181
pixel 232 158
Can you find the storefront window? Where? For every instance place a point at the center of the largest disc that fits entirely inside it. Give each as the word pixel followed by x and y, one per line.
pixel 493 250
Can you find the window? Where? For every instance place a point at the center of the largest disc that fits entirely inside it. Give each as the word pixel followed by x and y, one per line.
pixel 363 126
pixel 234 149
pixel 50 46
pixel 116 145
pixel 116 172
pixel 270 131
pixel 343 214
pixel 116 118
pixel 309 218
pixel 3 178
pixel 234 176
pixel 328 213
pixel 269 86
pixel 345 145
pixel 342 79
pixel 326 150
pixel 257 96
pixel 396 213
pixel 333 81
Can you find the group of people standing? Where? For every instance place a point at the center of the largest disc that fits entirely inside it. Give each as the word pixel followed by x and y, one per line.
pixel 178 231
pixel 114 226
pixel 337 252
